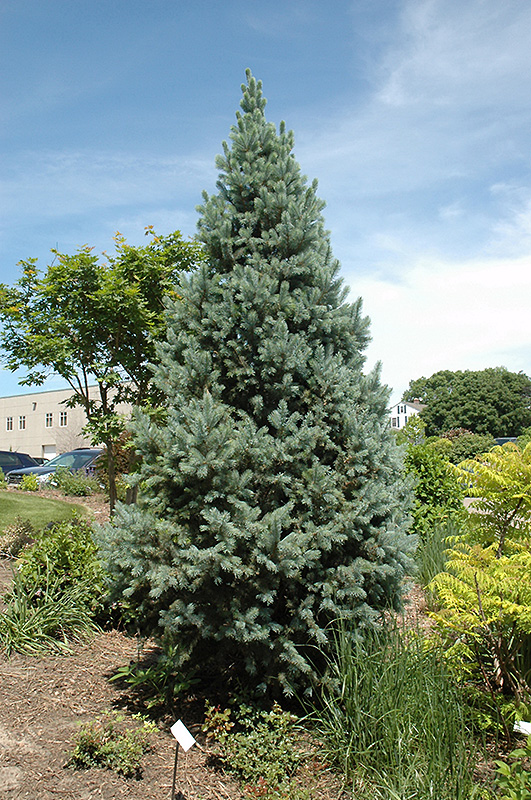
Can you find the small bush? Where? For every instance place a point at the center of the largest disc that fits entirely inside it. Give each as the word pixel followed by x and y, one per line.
pixel 514 779
pixel 259 748
pixel 15 537
pixel 108 743
pixel 74 484
pixel 64 556
pixel 29 483
pixel 159 683
pixel 41 618
pixel 3 482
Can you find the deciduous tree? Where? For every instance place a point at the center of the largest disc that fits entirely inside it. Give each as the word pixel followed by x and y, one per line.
pixel 94 321
pixel 490 401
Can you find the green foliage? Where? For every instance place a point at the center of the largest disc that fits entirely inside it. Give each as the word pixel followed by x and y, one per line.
pixel 485 615
pixel 42 616
pixel 3 482
pixel 260 748
pixel 500 482
pixel 490 401
pixel 29 483
pixel 64 556
pixel 514 779
pixel 431 554
pixel 524 438
pixel 107 743
pixel 272 494
pixel 57 591
pixel 94 322
pixel 15 537
pixel 438 495
pixel 465 444
pixel 158 684
pixel 75 484
pixel 391 718
pixel 413 432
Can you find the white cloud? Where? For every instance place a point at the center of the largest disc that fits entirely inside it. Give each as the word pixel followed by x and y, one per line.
pixel 468 315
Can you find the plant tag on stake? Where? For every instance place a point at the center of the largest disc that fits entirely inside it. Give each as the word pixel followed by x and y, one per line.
pixel 183 735
pixel 186 740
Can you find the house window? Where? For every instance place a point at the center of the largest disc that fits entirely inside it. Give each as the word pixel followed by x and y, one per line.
pixel 405 420
pixel 393 422
pixel 63 419
pixel 9 423
pixel 22 423
pixel 48 422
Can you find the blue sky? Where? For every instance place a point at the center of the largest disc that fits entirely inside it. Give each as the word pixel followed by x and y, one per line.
pixel 414 115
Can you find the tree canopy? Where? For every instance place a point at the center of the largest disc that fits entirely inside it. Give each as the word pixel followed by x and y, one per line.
pixel 491 401
pixel 273 501
pixel 94 321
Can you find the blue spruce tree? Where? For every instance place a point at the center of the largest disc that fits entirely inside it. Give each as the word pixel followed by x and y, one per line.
pixel 272 501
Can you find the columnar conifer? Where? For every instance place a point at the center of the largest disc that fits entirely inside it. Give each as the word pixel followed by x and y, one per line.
pixel 272 499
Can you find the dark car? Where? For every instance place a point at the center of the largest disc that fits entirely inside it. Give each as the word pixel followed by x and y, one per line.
pixel 84 458
pixel 10 461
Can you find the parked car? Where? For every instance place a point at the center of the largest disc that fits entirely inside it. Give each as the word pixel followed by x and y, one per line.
pixel 10 461
pixel 84 458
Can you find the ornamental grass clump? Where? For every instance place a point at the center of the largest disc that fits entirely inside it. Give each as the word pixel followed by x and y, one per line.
pixel 391 718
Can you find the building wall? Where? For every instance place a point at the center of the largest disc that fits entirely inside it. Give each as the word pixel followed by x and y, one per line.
pixel 41 424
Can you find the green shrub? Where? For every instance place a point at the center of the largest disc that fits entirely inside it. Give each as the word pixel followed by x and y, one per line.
pixel 438 495
pixel 390 717
pixel 3 482
pixel 15 537
pixel 159 683
pixel 108 743
pixel 484 616
pixel 65 556
pixel 29 483
pixel 259 747
pixel 75 484
pixel 514 779
pixel 43 617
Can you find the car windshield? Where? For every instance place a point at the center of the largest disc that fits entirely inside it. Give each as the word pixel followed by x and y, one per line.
pixel 71 460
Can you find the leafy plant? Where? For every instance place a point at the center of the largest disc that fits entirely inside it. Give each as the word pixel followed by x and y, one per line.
pixel 500 480
pixel 64 556
pixel 106 742
pixel 159 683
pixel 514 779
pixel 15 537
pixel 259 747
pixel 438 496
pixel 29 483
pixel 485 614
pixel 3 482
pixel 75 484
pixel 391 718
pixel 44 616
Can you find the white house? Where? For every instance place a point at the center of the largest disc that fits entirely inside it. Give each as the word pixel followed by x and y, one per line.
pixel 402 411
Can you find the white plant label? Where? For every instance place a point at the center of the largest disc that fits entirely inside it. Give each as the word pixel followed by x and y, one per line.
pixel 183 735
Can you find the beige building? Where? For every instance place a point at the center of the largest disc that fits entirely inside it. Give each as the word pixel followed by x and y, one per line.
pixel 41 425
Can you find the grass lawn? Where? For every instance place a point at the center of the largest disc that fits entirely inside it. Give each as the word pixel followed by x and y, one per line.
pixel 38 510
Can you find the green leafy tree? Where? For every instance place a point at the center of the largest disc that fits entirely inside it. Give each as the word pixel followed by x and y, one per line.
pixel 94 322
pixel 272 498
pixel 465 444
pixel 491 401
